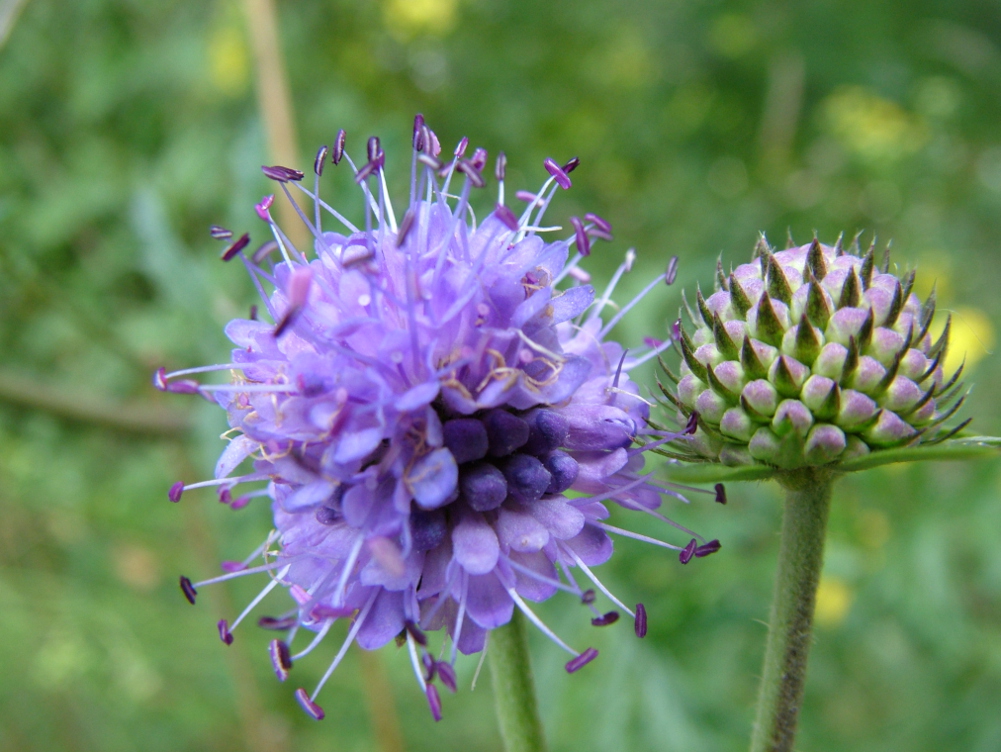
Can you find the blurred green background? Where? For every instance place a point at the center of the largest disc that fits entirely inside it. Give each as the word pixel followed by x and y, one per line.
pixel 128 126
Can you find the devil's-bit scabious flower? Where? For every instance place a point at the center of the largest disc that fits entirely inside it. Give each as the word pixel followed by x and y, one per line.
pixel 811 356
pixel 438 425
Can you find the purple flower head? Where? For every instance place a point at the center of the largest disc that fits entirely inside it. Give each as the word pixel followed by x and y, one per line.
pixel 437 415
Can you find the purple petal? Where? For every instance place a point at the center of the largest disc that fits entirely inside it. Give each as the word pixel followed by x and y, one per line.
pixel 475 544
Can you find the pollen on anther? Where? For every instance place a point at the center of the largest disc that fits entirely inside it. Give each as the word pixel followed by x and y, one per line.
pixel 281 174
pixel 338 151
pixel 220 233
pixel 238 245
pixel 308 705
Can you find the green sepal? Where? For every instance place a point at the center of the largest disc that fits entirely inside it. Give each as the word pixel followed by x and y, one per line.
pixel 738 298
pixel 952 380
pixel 831 405
pixel 815 260
pixel 896 305
pixel 908 282
pixel 721 283
pixel 839 244
pixel 761 248
pixel 783 380
pixel 927 312
pixel 698 370
pixel 704 311
pixel 865 271
pixel 664 367
pixel 671 397
pixel 719 387
pixel 724 343
pixel 778 286
pixel 808 344
pixel 865 331
pixel 712 472
pixel 851 363
pixel 853 248
pixel 851 291
pixel 817 308
pixel 769 326
pixel 942 345
pixel 751 363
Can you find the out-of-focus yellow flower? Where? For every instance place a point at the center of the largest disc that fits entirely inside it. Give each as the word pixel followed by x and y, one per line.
pixel 229 65
pixel 972 337
pixel 834 600
pixel 408 18
pixel 870 126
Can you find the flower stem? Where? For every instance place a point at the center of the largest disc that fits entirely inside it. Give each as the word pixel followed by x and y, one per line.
pixel 801 555
pixel 514 690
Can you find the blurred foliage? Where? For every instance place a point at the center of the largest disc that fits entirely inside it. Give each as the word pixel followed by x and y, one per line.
pixel 127 127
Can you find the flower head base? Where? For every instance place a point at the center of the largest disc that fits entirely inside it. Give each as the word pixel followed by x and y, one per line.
pixel 438 426
pixel 811 356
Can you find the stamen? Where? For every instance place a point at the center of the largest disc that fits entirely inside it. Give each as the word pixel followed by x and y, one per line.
pixel 281 174
pixel 188 589
pixel 639 625
pixel 319 161
pixel 539 623
pixel 672 271
pixel 338 151
pixel 278 623
pixel 405 225
pixel 308 705
pixel 220 233
pixel 588 597
pixel 263 206
pixel 601 223
pixel 418 136
pixel 434 701
pixel 720 493
pixel 347 643
pixel 236 247
pixel 415 663
pixel 605 619
pixel 242 573
pixel 479 158
pixel 580 237
pixel 447 674
pixel 506 216
pixel 174 494
pixel 708 548
pixel 260 596
pixel 542 578
pixel 500 169
pixel 373 148
pixel 281 659
pixel 558 173
pixel 415 632
pixel 571 165
pixel 224 634
pixel 460 150
pixel 575 664
pixel 591 576
pixel 688 551
pixel 636 536
pixel 264 250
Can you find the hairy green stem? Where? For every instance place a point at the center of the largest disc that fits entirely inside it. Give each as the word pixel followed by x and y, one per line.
pixel 514 690
pixel 801 554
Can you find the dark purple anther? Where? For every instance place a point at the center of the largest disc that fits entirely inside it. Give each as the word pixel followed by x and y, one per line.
pixel 479 158
pixel 225 495
pixel 370 167
pixel 505 432
pixel 435 145
pixel 320 161
pixel 253 312
pixel 405 225
pixel 583 242
pixel 220 233
pixel 338 151
pixel 160 379
pixel 414 631
pixel 428 529
pixel 693 423
pixel 564 470
pixel 286 321
pixel 575 664
pixel 598 234
pixel 466 439
pixel 238 245
pixel 672 271
pixel 483 486
pixel 460 150
pixel 688 551
pixel 526 476
pixel 720 494
pixel 281 659
pixel 468 169
pixel 506 216
pixel 277 624
pixel 281 174
pixel 587 597
pixel 500 170
pixel 174 494
pixel 308 705
pixel 599 222
pixel 239 502
pixel 188 589
pixel 640 623
pixel 571 165
pixel 434 701
pixel 562 179
pixel 373 148
pixel 418 131
pixel 708 548
pixel 224 634
pixel 447 674
pixel 430 667
pixel 605 619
